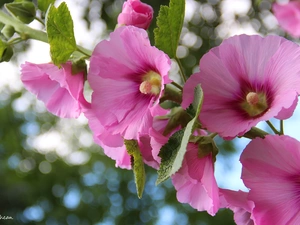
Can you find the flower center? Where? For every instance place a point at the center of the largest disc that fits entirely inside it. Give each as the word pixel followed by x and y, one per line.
pixel 151 83
pixel 255 103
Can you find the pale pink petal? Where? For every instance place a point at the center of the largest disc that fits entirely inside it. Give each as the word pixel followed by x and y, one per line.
pixel 188 90
pixel 237 201
pixel 112 145
pixel 271 171
pixel 288 16
pixel 61 91
pixel 195 182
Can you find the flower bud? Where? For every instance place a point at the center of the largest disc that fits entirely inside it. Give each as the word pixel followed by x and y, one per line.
pixel 8 31
pixel 7 54
pixel 23 11
pixel 136 13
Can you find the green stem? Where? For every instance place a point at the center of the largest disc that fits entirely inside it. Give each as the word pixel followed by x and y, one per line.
pixel 41 21
pixel 213 135
pixel 272 127
pixel 84 51
pixel 177 85
pixel 27 32
pixel 183 77
pixel 171 93
pixel 254 133
pixel 14 41
pixel 281 127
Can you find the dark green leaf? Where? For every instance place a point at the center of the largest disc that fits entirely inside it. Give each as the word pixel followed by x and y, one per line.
pixel 169 25
pixel 59 26
pixel 173 152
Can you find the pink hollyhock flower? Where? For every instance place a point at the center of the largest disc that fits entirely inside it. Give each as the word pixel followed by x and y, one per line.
pixel 288 16
pixel 127 76
pixel 271 170
pixel 237 201
pixel 113 144
pixel 136 13
pixel 245 80
pixel 195 182
pixel 61 91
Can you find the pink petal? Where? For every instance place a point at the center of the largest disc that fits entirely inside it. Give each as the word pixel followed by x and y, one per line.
pixel 61 91
pixel 288 16
pixel 195 182
pixel 237 201
pixel 271 171
pixel 115 75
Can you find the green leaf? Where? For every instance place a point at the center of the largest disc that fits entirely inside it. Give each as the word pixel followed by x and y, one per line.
pixel 43 5
pixel 23 11
pixel 137 165
pixel 173 152
pixel 169 25
pixel 59 26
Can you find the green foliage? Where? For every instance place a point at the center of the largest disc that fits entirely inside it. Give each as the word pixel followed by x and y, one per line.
pixel 78 63
pixel 59 26
pixel 137 164
pixel 23 11
pixel 6 51
pixel 3 2
pixel 8 31
pixel 169 22
pixel 173 152
pixel 43 5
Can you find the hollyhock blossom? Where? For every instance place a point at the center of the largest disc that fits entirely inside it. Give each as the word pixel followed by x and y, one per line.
pixel 237 201
pixel 61 91
pixel 271 170
pixel 113 144
pixel 245 80
pixel 195 182
pixel 288 16
pixel 136 13
pixel 127 76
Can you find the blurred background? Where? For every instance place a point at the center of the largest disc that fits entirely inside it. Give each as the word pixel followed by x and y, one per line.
pixel 52 173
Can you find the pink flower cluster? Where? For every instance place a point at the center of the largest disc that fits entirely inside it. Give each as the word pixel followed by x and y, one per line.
pixel 245 80
pixel 288 16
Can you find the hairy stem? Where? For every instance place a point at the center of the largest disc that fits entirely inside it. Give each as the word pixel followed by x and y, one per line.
pixel 27 32
pixel 183 77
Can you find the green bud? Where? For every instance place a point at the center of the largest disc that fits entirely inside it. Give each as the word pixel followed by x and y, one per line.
pixel 7 54
pixel 8 31
pixel 23 11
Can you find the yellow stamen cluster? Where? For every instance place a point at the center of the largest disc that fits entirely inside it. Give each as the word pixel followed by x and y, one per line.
pixel 151 83
pixel 255 103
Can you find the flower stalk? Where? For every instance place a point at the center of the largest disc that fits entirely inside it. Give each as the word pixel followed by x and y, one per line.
pixel 27 32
